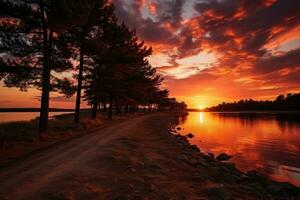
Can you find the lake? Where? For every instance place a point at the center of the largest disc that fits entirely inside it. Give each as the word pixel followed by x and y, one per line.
pixel 262 141
pixel 24 116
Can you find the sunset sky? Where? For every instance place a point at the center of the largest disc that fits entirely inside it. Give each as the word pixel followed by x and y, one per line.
pixel 209 51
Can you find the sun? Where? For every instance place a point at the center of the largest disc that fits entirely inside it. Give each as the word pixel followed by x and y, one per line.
pixel 200 107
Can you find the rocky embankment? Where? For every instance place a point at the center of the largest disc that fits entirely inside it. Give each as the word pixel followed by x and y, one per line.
pixel 222 180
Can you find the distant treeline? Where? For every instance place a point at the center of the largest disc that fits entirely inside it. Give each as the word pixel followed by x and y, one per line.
pixel 290 102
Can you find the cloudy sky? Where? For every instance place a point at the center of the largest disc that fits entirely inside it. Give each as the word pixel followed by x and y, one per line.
pixel 220 50
pixel 210 51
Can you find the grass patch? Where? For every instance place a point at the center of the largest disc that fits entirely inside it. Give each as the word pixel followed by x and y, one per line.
pixel 18 130
pixel 59 127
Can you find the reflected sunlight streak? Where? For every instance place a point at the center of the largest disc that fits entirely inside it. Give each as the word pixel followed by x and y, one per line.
pixel 201 118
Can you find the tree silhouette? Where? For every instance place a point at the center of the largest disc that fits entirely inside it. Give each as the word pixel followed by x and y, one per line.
pixel 30 35
pixel 290 102
pixel 39 37
pixel 81 37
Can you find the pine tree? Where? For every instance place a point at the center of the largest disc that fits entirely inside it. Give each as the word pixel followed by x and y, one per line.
pixel 30 49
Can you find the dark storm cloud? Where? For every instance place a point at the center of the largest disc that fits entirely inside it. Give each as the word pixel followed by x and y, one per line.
pixel 189 45
pixel 249 21
pixel 170 11
pixel 289 60
pixel 238 31
pixel 130 14
pixel 283 14
pixel 221 8
pixel 148 29
pixel 155 30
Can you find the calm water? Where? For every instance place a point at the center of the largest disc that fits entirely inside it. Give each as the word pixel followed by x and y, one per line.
pixel 24 116
pixel 267 142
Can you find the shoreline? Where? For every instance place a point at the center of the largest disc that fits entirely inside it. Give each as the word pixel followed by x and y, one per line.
pixel 138 158
pixel 250 181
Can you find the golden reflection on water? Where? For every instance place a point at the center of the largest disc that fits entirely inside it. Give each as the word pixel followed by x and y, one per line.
pixel 268 143
pixel 201 118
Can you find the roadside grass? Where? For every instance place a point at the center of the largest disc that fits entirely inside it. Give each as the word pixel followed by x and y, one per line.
pixel 59 126
pixel 24 134
pixel 18 131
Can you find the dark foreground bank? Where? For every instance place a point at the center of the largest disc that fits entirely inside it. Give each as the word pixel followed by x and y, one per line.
pixel 139 158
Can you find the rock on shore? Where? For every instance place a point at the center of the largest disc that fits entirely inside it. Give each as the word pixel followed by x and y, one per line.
pixel 223 157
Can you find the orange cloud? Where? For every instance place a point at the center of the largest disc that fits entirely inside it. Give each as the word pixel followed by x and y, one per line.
pixel 152 8
pixel 255 46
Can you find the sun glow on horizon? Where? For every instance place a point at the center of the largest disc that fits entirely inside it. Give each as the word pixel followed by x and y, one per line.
pixel 201 107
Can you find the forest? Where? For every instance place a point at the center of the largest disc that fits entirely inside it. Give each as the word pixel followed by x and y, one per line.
pixel 78 49
pixel 289 102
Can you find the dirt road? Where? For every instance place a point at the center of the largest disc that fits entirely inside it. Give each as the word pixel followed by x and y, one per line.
pixel 41 175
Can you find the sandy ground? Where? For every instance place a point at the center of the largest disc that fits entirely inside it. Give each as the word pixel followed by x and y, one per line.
pixel 134 159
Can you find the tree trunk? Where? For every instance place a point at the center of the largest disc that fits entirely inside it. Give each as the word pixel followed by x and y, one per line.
pixel 104 107
pixel 2 141
pixel 44 114
pixel 118 109
pixel 136 108
pixel 47 45
pixel 95 105
pixel 79 87
pixel 99 107
pixel 149 108
pixel 110 106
